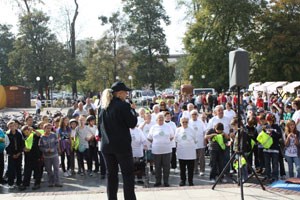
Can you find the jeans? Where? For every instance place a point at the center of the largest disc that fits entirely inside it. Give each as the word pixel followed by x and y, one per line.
pixel 52 168
pixel 14 170
pixel 271 157
pixel 126 164
pixel 290 161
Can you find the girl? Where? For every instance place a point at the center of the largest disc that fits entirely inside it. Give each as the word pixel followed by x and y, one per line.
pixel 291 148
pixel 64 138
pixel 83 137
pixel 49 146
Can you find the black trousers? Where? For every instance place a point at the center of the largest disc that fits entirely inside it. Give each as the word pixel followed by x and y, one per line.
pixel 102 164
pixel 35 165
pixel 216 163
pixel 1 166
pixel 126 164
pixel 81 156
pixel 62 160
pixel 189 165
pixel 14 170
pixel 173 159
pixel 93 155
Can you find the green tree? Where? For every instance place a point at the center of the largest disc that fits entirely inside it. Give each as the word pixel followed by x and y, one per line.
pixel 37 53
pixel 6 46
pixel 147 37
pixel 275 52
pixel 218 27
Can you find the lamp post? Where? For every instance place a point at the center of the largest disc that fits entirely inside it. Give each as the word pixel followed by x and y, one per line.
pixel 203 77
pixel 51 88
pixel 104 82
pixel 117 78
pixel 191 78
pixel 130 79
pixel 38 82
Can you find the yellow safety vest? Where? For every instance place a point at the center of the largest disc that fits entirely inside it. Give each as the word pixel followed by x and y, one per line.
pixel 265 139
pixel 220 140
pixel 236 163
pixel 29 141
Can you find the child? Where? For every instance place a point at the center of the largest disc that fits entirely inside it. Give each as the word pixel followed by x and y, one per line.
pixel 64 138
pixel 91 120
pixel 4 142
pixel 83 136
pixel 73 125
pixel 14 151
pixel 49 146
pixel 215 136
pixel 33 157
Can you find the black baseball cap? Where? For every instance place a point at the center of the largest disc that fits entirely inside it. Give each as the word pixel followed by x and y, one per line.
pixel 119 86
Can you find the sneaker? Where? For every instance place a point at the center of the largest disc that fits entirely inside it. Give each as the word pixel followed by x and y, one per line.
pixel 182 183
pixel 212 180
pixel 58 185
pixel 66 174
pixel 36 187
pixel 201 173
pixel 166 184
pixel 157 184
pixel 91 174
pixel 140 182
pixel 22 188
pixel 11 187
pixel 191 184
pixel 69 173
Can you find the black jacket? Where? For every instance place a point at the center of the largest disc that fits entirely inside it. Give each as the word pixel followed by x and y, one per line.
pixel 16 143
pixel 115 122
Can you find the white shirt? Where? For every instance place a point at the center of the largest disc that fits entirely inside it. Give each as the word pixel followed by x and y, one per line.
pixel 38 104
pixel 140 120
pixel 146 130
pixel 138 140
pixel 173 127
pixel 161 136
pixel 186 114
pixel 199 128
pixel 230 114
pixel 296 118
pixel 153 117
pixel 186 143
pixel 225 121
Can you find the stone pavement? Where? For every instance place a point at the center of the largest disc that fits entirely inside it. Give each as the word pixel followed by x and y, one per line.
pixel 221 192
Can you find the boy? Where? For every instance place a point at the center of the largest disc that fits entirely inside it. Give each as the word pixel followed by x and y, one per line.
pixel 216 137
pixel 33 157
pixel 14 151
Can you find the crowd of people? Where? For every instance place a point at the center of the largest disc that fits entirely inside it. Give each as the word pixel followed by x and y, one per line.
pixel 167 136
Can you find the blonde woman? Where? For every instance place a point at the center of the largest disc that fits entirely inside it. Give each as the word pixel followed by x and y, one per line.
pixel 161 136
pixel 116 118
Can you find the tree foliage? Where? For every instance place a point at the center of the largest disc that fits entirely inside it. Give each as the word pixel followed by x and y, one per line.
pixel 217 29
pixel 147 37
pixel 275 52
pixel 37 53
pixel 6 46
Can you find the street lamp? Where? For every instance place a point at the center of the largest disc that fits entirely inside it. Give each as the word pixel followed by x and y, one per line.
pixel 38 82
pixel 117 78
pixel 51 88
pixel 130 78
pixel 191 78
pixel 203 77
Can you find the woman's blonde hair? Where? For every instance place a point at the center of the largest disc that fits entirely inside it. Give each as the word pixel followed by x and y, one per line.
pixel 106 98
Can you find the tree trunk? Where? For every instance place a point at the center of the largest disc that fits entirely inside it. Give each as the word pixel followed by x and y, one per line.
pixel 73 47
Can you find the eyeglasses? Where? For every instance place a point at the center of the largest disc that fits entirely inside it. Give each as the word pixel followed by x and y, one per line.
pixel 195 114
pixel 185 122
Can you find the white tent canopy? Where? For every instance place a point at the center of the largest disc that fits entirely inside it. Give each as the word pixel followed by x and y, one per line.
pixel 273 88
pixel 263 87
pixel 291 87
pixel 252 85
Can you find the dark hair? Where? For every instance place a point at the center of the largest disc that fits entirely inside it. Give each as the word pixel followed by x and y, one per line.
pixel 219 126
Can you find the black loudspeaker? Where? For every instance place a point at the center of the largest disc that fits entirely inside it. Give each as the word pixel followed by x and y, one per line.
pixel 238 68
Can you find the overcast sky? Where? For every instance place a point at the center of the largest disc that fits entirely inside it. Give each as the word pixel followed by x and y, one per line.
pixel 88 25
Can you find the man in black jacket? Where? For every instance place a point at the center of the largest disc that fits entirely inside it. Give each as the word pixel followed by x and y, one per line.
pixel 116 118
